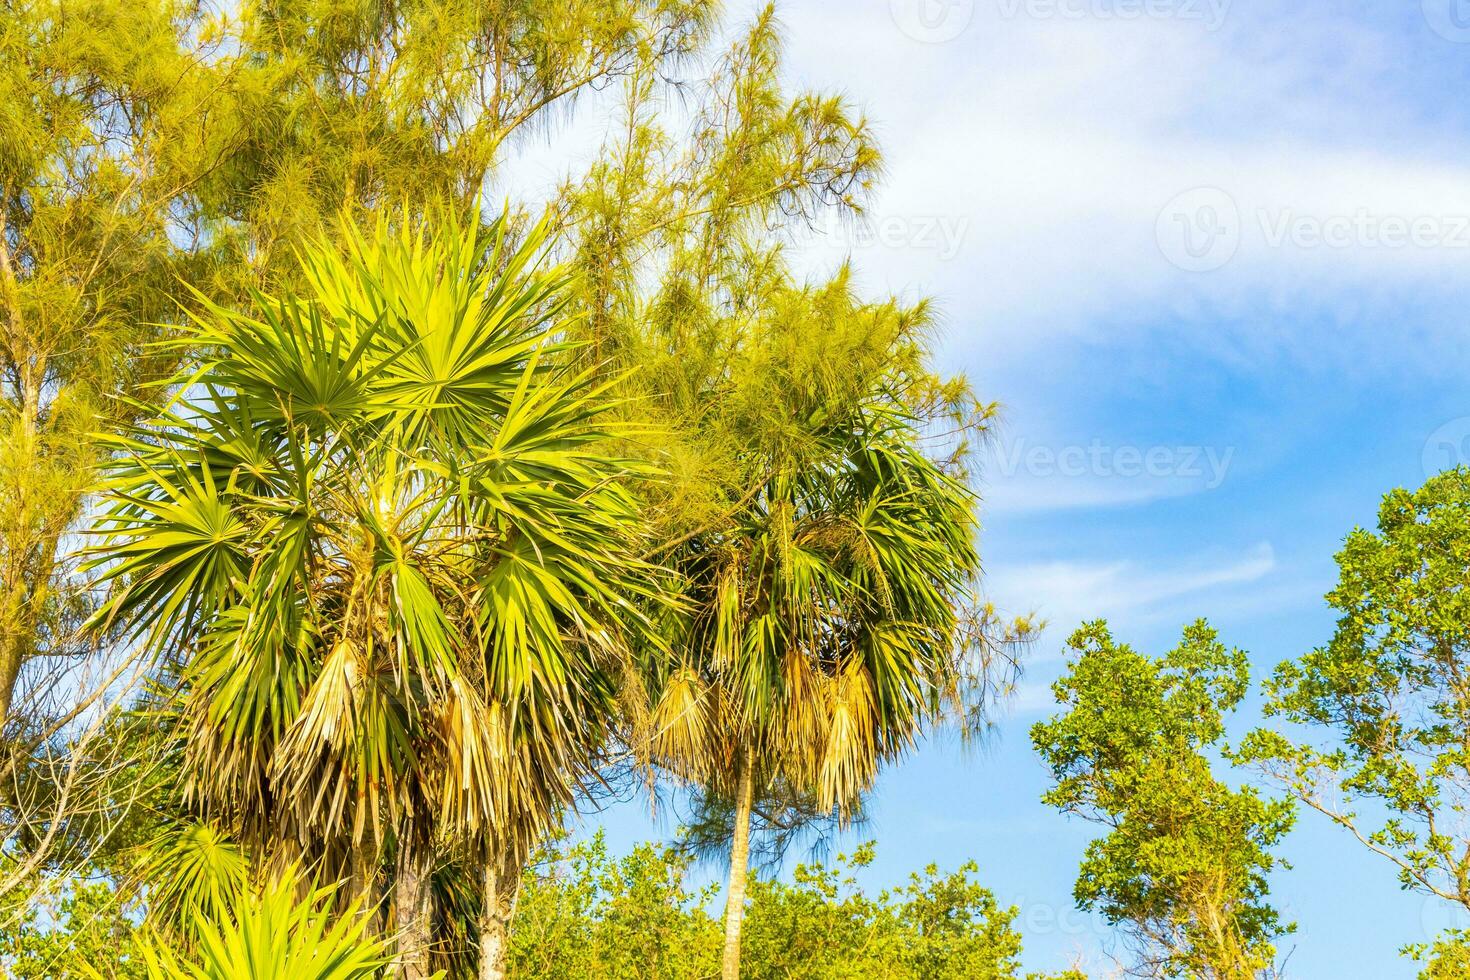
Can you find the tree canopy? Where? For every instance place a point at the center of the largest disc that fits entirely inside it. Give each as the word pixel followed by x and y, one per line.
pixel 365 518
pixel 1184 865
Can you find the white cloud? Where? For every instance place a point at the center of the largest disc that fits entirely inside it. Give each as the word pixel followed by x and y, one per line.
pixel 1039 496
pixel 1030 698
pixel 1057 144
pixel 1032 161
pixel 1067 593
pixel 1131 596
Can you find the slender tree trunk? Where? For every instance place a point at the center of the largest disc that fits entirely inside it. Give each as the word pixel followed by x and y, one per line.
pixel 411 908
pixel 502 886
pixel 21 597
pixel 16 597
pixel 11 652
pixel 739 868
pixel 20 601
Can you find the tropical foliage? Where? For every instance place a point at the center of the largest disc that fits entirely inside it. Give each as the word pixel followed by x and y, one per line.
pixel 1387 691
pixel 819 515
pixel 273 933
pixel 1383 711
pixel 356 534
pixel 376 545
pixel 586 913
pixel 827 612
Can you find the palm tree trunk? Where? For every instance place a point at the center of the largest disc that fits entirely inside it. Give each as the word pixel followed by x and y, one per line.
pixel 411 909
pixel 501 887
pixel 362 883
pixel 739 868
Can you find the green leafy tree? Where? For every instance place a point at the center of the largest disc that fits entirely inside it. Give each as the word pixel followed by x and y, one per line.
pixel 829 609
pixel 229 135
pixel 823 926
pixel 148 142
pixel 584 913
pixel 88 930
pixel 145 142
pixel 339 105
pixel 380 546
pixel 1385 703
pixel 587 915
pixel 1185 862
pixel 677 225
pixel 78 863
pixel 1448 956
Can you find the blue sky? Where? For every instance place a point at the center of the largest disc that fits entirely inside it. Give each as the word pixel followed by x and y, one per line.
pixel 1212 258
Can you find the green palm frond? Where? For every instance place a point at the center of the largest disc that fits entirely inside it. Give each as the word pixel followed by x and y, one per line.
pixel 274 933
pixel 381 529
pixel 193 872
pixel 827 609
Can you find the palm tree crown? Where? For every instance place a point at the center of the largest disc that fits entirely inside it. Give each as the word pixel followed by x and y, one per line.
pixel 828 614
pixel 381 544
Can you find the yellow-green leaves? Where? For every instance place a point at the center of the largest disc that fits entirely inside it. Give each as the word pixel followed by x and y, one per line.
pixel 274 932
pixel 825 605
pixel 193 873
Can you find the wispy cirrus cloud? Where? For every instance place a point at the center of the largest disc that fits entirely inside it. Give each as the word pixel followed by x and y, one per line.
pixel 1126 591
pixel 1079 158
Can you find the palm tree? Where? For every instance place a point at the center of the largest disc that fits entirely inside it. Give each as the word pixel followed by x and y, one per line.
pixel 828 614
pixel 378 541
